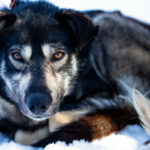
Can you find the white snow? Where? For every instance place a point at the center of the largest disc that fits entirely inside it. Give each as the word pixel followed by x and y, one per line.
pixel 139 9
pixel 132 137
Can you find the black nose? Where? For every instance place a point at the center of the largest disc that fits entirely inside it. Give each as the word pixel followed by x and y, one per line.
pixel 38 103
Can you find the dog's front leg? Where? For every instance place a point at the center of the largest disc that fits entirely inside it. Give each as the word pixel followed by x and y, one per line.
pixel 91 127
pixel 80 129
pixel 30 137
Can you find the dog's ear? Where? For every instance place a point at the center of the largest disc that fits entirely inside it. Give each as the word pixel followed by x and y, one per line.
pixel 7 20
pixel 83 29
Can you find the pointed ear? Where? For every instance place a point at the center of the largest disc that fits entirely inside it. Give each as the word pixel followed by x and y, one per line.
pixel 83 29
pixel 7 20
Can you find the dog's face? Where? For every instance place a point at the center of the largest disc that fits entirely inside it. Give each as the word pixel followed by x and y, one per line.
pixel 39 56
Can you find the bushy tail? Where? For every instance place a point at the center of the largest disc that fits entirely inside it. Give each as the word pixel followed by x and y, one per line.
pixel 142 106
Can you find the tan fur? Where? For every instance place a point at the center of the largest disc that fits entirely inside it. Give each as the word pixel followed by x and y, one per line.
pixel 2 13
pixel 142 106
pixel 51 81
pixel 140 55
pixel 63 118
pixel 28 138
pixel 6 109
pixel 2 22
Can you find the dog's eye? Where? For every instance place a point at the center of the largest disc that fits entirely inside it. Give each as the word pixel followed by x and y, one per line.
pixel 58 55
pixel 17 56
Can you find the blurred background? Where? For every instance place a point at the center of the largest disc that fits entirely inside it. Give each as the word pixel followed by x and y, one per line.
pixel 139 9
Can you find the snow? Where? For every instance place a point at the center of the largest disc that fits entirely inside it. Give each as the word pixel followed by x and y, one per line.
pixel 139 9
pixel 131 138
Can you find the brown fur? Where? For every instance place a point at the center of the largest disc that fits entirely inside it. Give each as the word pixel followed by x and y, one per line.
pixel 94 126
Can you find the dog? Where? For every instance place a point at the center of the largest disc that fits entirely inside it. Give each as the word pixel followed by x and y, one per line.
pixel 67 75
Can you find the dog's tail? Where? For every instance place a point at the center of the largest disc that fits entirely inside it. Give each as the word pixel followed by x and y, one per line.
pixel 142 106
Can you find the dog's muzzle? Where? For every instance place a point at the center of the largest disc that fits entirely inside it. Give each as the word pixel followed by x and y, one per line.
pixel 38 103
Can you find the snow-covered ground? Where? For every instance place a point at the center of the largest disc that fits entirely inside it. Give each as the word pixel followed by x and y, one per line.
pixel 132 137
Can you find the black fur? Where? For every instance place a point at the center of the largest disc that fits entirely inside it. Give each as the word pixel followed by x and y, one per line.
pixel 93 87
pixel 38 21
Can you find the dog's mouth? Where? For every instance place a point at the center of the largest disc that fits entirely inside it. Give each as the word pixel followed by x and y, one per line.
pixel 40 118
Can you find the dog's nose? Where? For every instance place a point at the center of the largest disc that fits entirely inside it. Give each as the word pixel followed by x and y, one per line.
pixel 38 103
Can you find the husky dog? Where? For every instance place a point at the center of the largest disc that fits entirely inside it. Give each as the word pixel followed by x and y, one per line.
pixel 63 78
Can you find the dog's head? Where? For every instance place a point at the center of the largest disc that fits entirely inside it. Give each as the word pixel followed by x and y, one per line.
pixel 39 55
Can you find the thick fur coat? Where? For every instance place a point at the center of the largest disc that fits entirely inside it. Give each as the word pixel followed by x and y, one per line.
pixel 69 75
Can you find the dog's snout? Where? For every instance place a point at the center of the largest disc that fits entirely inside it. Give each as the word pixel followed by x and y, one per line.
pixel 38 103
